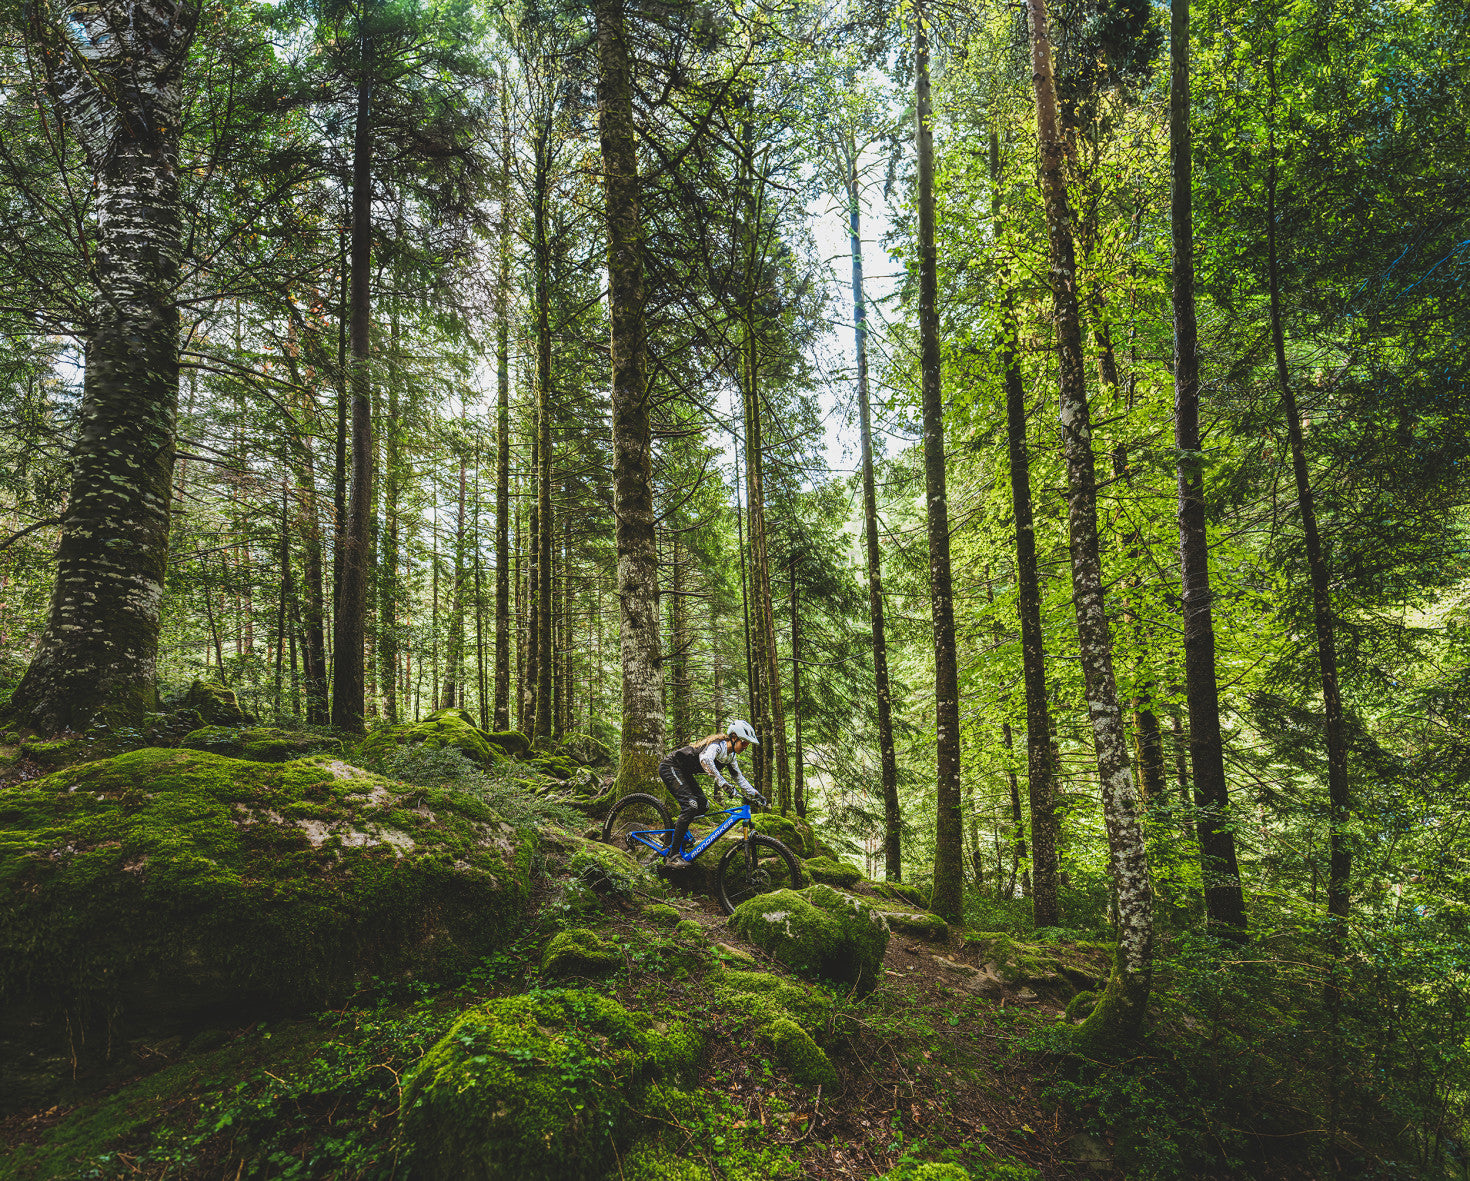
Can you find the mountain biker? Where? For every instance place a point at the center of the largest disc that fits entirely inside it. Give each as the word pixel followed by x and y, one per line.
pixel 708 755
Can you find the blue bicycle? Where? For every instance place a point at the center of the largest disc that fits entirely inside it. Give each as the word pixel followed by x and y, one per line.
pixel 754 864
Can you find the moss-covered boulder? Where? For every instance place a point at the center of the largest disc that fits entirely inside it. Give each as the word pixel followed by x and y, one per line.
pixel 902 892
pixel 444 728
pixel 540 1087
pixel 608 871
pixel 164 887
pixel 585 750
pixel 557 766
pixel 578 952
pixel 918 923
pixel 660 914
pixel 795 834
pixel 261 744
pixel 786 1017
pixel 53 752
pixel 216 704
pixel 512 742
pixel 819 931
pixel 649 1160
pixel 832 873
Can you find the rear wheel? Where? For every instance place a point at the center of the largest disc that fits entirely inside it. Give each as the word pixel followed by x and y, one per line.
pixel 756 865
pixel 634 814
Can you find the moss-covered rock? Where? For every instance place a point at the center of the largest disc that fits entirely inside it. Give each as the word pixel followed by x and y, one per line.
pixel 557 766
pixel 541 1087
pixel 585 750
pixel 661 914
pixel 820 931
pixel 261 744
pixel 444 728
pixel 161 886
pixel 609 871
pixel 783 1015
pixel 215 704
pixel 833 873
pixel 902 892
pixel 512 742
pixel 903 920
pixel 53 752
pixel 578 952
pixel 795 834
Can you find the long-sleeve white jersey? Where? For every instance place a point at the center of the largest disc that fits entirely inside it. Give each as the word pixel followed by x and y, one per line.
pixel 717 755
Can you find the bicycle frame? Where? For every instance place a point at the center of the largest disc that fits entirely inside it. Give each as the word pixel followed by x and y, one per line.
pixel 651 836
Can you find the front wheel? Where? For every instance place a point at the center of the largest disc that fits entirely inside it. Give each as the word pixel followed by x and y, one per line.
pixel 756 865
pixel 637 813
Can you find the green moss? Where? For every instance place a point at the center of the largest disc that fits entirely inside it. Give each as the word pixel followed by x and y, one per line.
pixel 833 873
pixel 541 1087
pixel 649 1160
pixel 261 744
pixel 607 870
pixel 796 835
pixel 215 704
pixel 903 892
pixel 444 728
pixel 820 931
pixel 1081 1005
pixel 690 929
pixel 661 914
pixel 555 766
pixel 54 752
pixel 920 924
pixel 783 1015
pixel 578 952
pixel 170 882
pixel 512 742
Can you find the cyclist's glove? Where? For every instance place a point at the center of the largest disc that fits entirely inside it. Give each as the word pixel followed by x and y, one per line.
pixel 755 797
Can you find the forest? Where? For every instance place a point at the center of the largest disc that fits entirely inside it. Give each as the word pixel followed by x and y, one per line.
pixel 1047 423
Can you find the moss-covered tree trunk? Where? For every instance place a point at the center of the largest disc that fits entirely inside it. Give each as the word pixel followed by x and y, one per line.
pixel 1120 1011
pixel 637 544
pixel 115 73
pixel 949 880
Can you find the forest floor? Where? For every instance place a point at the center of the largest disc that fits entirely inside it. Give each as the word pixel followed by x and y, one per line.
pixel 930 1070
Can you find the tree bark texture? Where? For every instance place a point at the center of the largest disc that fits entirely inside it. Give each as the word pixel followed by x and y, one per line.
pixel 545 525
pixel 1224 901
pixel 887 760
pixel 679 637
pixel 1040 766
pixel 798 794
pixel 115 71
pixel 949 880
pixel 349 686
pixel 1121 1009
pixel 502 468
pixel 637 544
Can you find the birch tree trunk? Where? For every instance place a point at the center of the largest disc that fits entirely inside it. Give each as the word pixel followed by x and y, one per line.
pixel 887 760
pixel 116 68
pixel 349 686
pixel 1224 902
pixel 643 716
pixel 1121 1009
pixel 949 879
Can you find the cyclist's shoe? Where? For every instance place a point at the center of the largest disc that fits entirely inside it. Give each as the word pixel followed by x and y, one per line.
pixel 675 862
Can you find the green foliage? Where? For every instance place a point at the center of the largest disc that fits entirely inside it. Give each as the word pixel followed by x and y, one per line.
pixel 578 952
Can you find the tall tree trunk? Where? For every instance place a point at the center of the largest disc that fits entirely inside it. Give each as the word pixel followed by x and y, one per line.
pixel 348 684
pixel 453 694
pixel 340 438
pixel 1339 795
pixel 284 554
pixel 482 697
pixel 1122 1007
pixel 502 458
pixel 798 755
pixel 679 656
pixel 949 878
pixel 388 584
pixel 1040 765
pixel 117 84
pixel 1224 902
pixel 543 525
pixel 887 760
pixel 643 718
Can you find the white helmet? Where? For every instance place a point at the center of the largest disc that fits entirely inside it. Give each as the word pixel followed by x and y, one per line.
pixel 742 730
